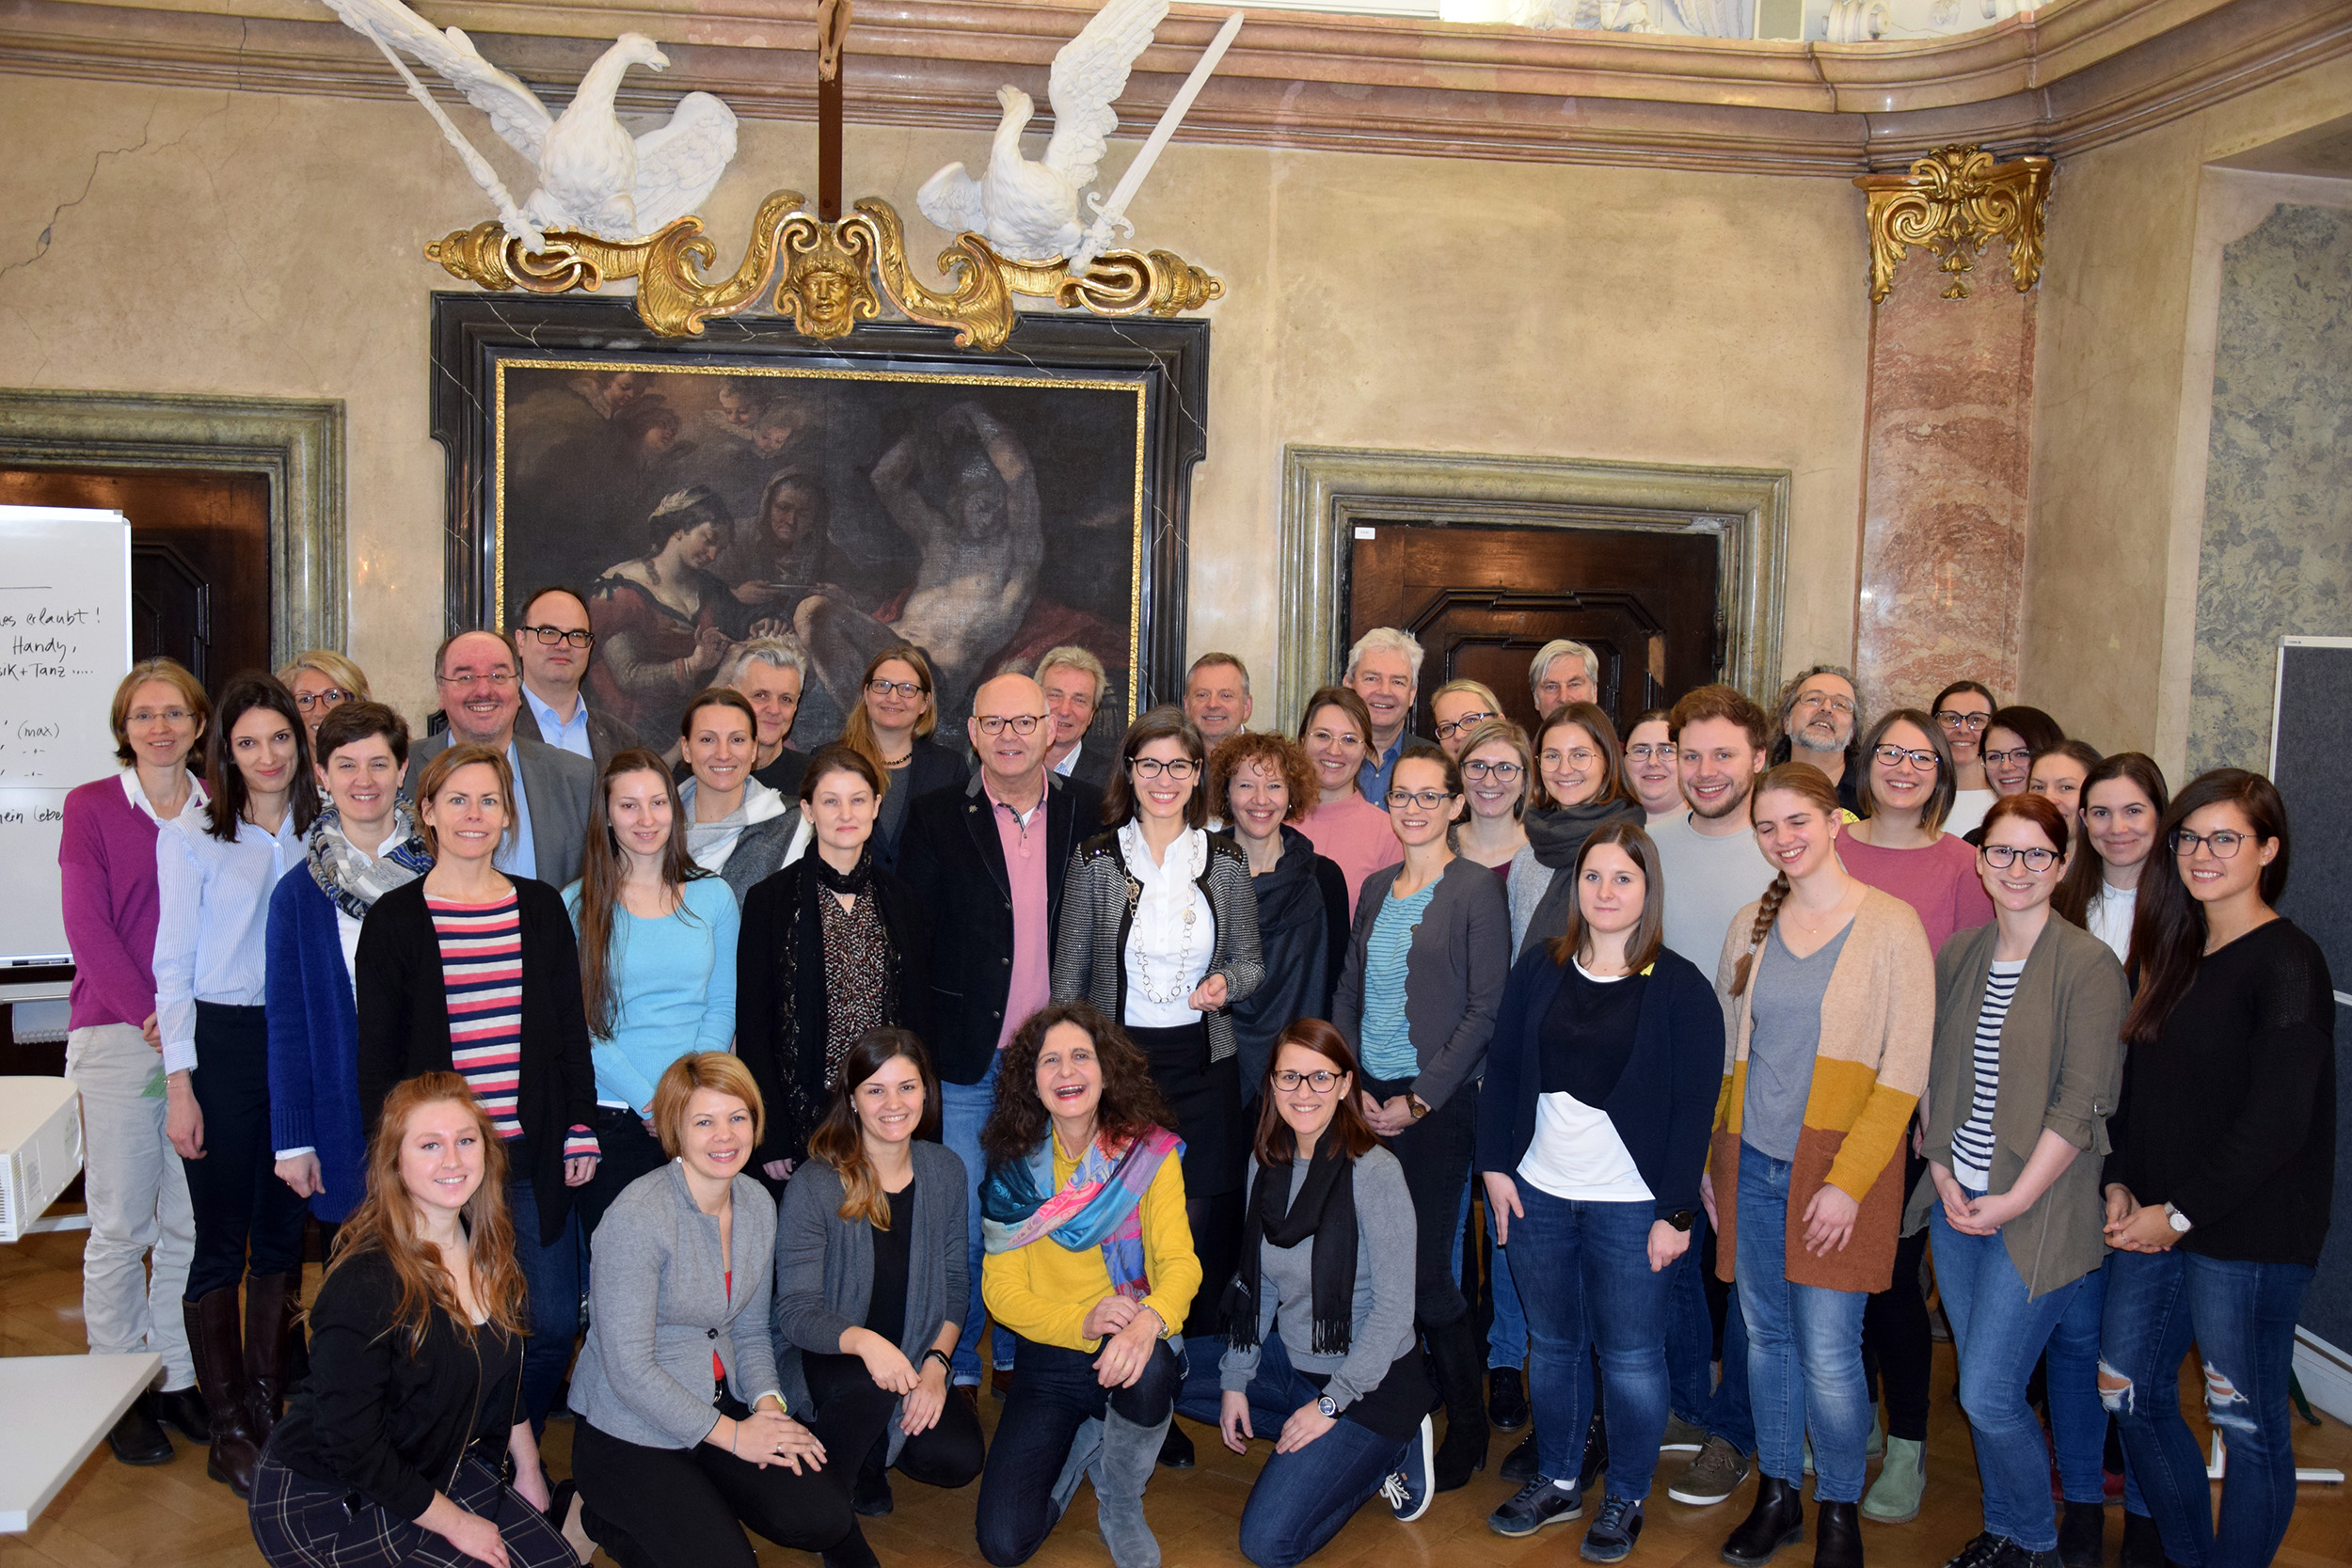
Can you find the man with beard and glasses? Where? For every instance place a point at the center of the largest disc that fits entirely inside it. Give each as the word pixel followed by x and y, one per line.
pixel 1821 722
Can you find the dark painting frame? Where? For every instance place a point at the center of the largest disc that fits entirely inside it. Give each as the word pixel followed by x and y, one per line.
pixel 474 335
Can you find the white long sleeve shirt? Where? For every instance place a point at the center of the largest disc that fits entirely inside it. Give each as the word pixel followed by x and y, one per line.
pixel 212 921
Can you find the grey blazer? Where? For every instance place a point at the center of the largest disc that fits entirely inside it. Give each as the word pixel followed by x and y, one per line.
pixel 2061 1070
pixel 560 788
pixel 606 734
pixel 825 1267
pixel 660 1306
pixel 1454 974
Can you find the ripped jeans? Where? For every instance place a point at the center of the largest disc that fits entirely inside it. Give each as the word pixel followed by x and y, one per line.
pixel 2241 1316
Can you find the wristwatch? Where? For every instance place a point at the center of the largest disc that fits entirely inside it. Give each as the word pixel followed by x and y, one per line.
pixel 1419 1106
pixel 2176 1219
pixel 1682 1219
pixel 1330 1411
pixel 936 1354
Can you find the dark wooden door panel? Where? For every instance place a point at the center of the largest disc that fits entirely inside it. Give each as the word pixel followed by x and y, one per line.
pixel 199 557
pixel 1481 600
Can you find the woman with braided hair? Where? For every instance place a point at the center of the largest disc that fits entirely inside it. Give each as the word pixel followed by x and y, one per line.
pixel 1828 989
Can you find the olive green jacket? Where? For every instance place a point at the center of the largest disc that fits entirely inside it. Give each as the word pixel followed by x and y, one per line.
pixel 2061 1069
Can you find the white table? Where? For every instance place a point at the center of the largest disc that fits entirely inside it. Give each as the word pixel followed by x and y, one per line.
pixel 60 1408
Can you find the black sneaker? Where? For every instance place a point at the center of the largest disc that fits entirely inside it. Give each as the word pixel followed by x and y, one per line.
pixel 1540 1502
pixel 1978 1553
pixel 2011 1554
pixel 1614 1533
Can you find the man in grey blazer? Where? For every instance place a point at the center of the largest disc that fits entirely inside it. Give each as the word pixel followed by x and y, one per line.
pixel 474 671
pixel 552 641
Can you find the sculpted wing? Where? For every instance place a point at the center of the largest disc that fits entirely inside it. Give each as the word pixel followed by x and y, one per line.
pixel 951 199
pixel 1088 75
pixel 679 163
pixel 515 112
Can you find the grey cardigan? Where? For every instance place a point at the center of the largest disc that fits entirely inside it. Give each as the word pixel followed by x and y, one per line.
pixel 1381 1316
pixel 1454 974
pixel 2061 1070
pixel 660 1304
pixel 1098 908
pixel 825 1267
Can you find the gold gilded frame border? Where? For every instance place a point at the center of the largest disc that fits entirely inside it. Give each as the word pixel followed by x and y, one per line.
pixel 1139 389
pixel 1955 201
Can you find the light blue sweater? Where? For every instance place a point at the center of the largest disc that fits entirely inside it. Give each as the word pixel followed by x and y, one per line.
pixel 673 990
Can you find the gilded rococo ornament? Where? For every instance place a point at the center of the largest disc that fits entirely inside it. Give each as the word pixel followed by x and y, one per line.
pixel 826 277
pixel 1954 201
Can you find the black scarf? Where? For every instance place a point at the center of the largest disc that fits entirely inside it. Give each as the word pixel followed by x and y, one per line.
pixel 1326 1211
pixel 800 978
pixel 847 883
pixel 1557 832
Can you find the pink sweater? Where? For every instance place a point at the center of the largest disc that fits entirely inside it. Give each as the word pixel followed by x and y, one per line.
pixel 1940 881
pixel 107 861
pixel 1353 835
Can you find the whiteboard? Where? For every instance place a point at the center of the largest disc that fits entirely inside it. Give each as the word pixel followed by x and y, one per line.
pixel 65 645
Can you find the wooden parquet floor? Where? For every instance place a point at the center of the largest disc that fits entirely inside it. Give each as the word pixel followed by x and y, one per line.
pixel 170 1516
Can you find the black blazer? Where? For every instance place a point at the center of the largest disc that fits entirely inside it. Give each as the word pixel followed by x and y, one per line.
pixel 930 766
pixel 403 1025
pixel 955 866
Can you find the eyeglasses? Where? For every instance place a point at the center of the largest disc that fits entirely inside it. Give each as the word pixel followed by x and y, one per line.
pixel 893 689
pixel 1973 723
pixel 1895 756
pixel 1323 1080
pixel 2000 856
pixel 2223 843
pixel 164 714
pixel 498 680
pixel 1448 729
pixel 2002 759
pixel 333 697
pixel 1502 772
pixel 1427 800
pixel 1665 753
pixel 1023 724
pixel 553 634
pixel 1824 698
pixel 1581 756
pixel 1182 770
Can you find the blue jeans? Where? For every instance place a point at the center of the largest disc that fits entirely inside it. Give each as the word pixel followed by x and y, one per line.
pixel 553 1274
pixel 1301 1499
pixel 1597 1292
pixel 1729 1414
pixel 1691 1339
pixel 1999 1332
pixel 1203 1396
pixel 1804 1348
pixel 2242 1318
pixel 1054 1394
pixel 1506 1336
pixel 2078 1422
pixel 962 1112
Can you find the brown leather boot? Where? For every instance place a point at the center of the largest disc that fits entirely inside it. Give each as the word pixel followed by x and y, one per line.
pixel 215 1342
pixel 274 1354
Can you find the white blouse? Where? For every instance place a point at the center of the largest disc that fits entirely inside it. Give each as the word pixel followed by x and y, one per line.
pixel 2109 917
pixel 1174 931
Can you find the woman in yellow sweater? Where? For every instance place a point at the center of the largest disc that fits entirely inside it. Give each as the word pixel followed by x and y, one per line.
pixel 1828 987
pixel 1090 1264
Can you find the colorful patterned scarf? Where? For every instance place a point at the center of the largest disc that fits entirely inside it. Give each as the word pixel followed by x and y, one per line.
pixel 1100 1205
pixel 355 882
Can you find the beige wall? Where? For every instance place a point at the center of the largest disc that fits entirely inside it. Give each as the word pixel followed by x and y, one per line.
pixel 2119 437
pixel 269 246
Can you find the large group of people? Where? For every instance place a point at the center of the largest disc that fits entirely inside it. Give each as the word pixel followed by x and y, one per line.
pixel 759 1109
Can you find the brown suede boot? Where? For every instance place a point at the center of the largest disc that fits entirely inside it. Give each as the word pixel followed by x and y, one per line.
pixel 215 1341
pixel 274 1354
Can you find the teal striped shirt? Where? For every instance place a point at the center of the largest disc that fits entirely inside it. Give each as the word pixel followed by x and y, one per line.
pixel 1387 1046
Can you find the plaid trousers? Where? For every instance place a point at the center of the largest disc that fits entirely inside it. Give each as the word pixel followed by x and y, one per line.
pixel 301 1523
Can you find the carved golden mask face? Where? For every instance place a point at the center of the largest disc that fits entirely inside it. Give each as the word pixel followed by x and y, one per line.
pixel 826 293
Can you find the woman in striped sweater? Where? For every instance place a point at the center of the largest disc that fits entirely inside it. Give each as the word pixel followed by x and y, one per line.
pixel 470 971
pixel 1828 989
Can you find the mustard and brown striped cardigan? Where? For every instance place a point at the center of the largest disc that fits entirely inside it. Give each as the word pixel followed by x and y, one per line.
pixel 1878 1034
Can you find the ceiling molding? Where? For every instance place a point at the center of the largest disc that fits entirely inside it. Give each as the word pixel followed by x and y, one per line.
pixel 2074 75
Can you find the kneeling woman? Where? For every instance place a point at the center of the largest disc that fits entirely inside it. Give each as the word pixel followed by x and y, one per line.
pixel 682 1438
pixel 1329 1235
pixel 1592 1136
pixel 872 1275
pixel 1079 1156
pixel 415 1358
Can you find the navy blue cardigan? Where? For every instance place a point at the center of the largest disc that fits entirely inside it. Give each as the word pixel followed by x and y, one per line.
pixel 314 1044
pixel 1663 1106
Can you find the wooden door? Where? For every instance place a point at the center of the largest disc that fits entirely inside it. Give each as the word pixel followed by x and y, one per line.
pixel 1482 598
pixel 199 557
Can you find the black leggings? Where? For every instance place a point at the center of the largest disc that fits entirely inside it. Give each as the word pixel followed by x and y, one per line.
pixel 688 1508
pixel 853 1423
pixel 1436 1153
pixel 1896 1349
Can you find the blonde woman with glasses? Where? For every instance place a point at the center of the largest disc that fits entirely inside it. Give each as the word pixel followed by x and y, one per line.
pixel 1457 708
pixel 322 681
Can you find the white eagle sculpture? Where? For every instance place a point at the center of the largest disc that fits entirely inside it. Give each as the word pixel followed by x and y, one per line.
pixel 1029 211
pixel 594 175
